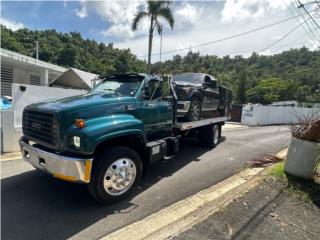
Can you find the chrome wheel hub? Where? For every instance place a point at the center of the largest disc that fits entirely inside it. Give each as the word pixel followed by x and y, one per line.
pixel 195 110
pixel 120 176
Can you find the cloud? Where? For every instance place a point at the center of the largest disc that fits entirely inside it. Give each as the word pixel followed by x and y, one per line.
pixel 250 9
pixel 82 12
pixel 187 13
pixel 119 14
pixel 14 26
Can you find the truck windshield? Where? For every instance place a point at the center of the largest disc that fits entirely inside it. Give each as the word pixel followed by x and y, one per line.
pixel 121 87
pixel 190 78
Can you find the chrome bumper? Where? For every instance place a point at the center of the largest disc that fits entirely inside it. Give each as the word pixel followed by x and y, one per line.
pixel 62 167
pixel 183 107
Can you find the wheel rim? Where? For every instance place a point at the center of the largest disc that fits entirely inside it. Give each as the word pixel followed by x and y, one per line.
pixel 120 176
pixel 195 110
pixel 215 135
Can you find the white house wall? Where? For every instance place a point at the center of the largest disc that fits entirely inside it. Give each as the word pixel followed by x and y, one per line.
pixel 33 94
pixel 256 115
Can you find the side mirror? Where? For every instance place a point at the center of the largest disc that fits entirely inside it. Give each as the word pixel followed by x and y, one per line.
pixel 210 84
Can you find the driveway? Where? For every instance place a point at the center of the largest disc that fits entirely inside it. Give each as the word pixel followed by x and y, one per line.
pixel 35 206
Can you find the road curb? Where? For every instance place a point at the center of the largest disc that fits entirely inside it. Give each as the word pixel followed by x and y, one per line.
pixel 10 156
pixel 181 216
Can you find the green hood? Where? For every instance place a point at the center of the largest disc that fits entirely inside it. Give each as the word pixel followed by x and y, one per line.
pixel 80 102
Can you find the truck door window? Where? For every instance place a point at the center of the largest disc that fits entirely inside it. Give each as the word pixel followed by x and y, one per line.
pixel 153 90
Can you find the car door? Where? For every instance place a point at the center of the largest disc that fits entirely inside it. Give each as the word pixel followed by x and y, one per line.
pixel 156 111
pixel 211 94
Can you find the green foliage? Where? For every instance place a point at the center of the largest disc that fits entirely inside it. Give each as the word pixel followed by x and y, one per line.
pixel 290 75
pixel 71 50
pixel 268 90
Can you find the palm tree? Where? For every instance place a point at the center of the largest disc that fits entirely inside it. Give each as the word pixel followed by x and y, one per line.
pixel 155 10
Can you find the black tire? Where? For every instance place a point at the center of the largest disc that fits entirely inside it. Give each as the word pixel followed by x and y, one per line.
pixel 100 167
pixel 194 112
pixel 209 135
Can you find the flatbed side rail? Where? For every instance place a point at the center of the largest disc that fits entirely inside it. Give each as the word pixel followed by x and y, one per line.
pixel 190 125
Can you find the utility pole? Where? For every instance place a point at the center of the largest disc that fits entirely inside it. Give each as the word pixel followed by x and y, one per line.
pixel 37 49
pixel 160 42
pixel 302 6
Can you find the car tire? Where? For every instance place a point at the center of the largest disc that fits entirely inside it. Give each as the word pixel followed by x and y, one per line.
pixel 194 112
pixel 115 175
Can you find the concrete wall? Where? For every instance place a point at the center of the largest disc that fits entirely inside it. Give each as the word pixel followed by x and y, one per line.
pixel 10 135
pixel 255 115
pixel 20 76
pixel 11 121
pixel 33 94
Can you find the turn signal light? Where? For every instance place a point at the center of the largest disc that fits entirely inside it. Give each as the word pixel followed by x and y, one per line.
pixel 80 123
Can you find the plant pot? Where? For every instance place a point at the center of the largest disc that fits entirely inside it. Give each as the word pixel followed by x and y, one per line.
pixel 302 158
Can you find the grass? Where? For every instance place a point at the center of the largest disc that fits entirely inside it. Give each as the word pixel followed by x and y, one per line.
pixel 306 190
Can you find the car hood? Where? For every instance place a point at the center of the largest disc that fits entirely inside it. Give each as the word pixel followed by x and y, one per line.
pixel 76 103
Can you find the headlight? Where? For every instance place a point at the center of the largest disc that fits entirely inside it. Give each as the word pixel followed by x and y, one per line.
pixel 76 141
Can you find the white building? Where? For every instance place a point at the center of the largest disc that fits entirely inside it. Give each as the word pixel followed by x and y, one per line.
pixel 18 68
pixel 19 75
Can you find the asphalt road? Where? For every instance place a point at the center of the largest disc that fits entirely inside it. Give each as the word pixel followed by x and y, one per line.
pixel 36 206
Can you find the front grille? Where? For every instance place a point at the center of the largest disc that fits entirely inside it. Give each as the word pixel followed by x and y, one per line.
pixel 40 127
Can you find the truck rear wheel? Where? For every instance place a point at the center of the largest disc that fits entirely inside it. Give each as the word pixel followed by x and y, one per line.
pixel 115 175
pixel 209 135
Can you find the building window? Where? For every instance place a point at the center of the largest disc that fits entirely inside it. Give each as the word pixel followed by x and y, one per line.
pixel 34 79
pixel 6 81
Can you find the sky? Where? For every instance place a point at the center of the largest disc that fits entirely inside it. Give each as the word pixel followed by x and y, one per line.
pixel 196 22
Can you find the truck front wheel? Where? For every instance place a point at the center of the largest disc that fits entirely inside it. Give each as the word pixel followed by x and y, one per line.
pixel 115 175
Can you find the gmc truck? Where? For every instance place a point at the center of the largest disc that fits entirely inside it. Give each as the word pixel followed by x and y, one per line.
pixel 109 137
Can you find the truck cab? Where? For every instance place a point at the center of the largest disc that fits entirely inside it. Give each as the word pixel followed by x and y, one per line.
pixel 108 137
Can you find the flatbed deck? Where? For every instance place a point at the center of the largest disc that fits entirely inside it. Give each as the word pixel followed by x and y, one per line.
pixel 190 125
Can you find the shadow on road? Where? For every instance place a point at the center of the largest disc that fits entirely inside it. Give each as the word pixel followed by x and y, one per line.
pixel 36 206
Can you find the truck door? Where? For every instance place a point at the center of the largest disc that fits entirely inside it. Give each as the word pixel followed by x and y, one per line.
pixel 211 94
pixel 150 113
pixel 165 106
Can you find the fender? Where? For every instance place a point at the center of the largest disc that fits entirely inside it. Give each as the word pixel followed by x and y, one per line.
pixel 105 128
pixel 195 93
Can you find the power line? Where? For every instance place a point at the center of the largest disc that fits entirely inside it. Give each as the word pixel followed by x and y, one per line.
pixel 302 6
pixel 286 35
pixel 315 33
pixel 291 12
pixel 227 38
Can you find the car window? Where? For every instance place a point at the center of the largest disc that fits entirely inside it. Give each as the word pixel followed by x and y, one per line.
pixel 190 78
pixel 125 87
pixel 153 90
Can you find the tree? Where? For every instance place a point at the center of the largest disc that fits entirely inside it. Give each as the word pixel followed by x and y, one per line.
pixel 268 90
pixel 242 87
pixel 155 10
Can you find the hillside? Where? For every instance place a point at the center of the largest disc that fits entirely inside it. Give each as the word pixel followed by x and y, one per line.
pixel 71 50
pixel 290 75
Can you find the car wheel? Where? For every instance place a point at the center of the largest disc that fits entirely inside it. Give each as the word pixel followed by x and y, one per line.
pixel 115 175
pixel 194 112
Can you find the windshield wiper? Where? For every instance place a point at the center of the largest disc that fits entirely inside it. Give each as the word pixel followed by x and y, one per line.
pixel 112 90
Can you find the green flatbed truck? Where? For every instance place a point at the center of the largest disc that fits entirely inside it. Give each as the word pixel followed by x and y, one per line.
pixel 108 137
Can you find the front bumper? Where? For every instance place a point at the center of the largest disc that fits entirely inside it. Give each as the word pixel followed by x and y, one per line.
pixel 182 108
pixel 62 167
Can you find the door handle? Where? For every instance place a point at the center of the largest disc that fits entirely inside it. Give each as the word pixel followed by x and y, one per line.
pixel 130 107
